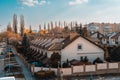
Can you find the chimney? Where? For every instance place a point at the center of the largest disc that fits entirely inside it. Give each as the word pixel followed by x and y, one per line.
pixel 73 35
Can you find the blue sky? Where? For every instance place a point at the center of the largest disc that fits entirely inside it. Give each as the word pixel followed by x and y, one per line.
pixel 39 11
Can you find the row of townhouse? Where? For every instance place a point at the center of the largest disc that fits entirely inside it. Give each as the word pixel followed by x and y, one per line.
pixel 112 39
pixel 72 47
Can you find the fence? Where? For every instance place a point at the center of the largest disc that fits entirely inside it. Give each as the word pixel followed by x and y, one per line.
pixel 101 68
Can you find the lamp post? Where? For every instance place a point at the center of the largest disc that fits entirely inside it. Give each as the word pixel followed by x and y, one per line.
pixel 9 58
pixel 61 73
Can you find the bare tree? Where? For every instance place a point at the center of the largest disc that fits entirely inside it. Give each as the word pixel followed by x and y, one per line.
pixel 15 23
pixel 22 24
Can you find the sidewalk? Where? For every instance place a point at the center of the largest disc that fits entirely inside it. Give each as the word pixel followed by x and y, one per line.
pixel 26 72
pixel 2 74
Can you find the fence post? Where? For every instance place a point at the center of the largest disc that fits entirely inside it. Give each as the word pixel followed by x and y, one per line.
pixel 96 68
pixel 119 66
pixel 72 69
pixel 84 68
pixel 107 67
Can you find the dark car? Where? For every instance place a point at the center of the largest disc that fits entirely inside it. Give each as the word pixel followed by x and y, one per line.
pixel 12 68
pixel 37 64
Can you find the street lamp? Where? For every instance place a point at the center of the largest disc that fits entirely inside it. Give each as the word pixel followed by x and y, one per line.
pixel 61 76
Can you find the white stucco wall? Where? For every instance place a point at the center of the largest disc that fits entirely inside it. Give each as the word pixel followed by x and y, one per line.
pixel 104 41
pixel 113 65
pixel 88 49
pixel 49 53
pixel 111 42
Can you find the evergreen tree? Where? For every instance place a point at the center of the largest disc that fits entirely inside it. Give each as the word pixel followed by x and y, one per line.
pixel 40 27
pixel 51 25
pixel 30 29
pixel 80 30
pixel 64 23
pixel 44 26
pixel 15 23
pixel 71 25
pixel 22 23
pixel 9 28
pixel 48 27
pixel 25 41
pixel 59 23
pixel 55 23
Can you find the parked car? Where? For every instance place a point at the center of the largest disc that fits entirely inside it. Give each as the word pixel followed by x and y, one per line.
pixel 12 68
pixel 37 64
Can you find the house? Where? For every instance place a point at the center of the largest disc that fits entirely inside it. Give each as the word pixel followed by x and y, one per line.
pixel 116 38
pixel 96 37
pixel 109 39
pixel 71 47
pixel 76 48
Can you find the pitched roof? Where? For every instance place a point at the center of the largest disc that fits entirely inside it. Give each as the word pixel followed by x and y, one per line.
pixel 67 41
pixel 116 36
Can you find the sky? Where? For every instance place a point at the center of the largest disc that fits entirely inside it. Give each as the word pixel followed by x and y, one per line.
pixel 43 11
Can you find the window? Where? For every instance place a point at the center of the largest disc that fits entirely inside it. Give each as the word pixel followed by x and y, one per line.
pixel 79 47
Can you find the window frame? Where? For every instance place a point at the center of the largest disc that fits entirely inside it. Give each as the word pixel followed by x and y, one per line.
pixel 78 47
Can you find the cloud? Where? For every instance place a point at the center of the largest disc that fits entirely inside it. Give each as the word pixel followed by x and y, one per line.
pixel 76 2
pixel 32 3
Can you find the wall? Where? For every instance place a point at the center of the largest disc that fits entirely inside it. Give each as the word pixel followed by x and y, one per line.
pixel 88 49
pixel 101 68
pixel 119 40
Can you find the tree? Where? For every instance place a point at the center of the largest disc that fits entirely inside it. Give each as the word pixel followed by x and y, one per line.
pixel 55 24
pixel 80 30
pixel 71 25
pixel 55 58
pixel 64 23
pixel 97 60
pixel 40 27
pixel 22 23
pixel 25 41
pixel 15 23
pixel 59 24
pixel 115 53
pixel 44 26
pixel 48 27
pixel 85 32
pixel 51 25
pixel 9 27
pixel 30 29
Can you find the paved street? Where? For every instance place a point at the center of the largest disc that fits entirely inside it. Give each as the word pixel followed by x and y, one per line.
pixel 26 72
pixel 1 66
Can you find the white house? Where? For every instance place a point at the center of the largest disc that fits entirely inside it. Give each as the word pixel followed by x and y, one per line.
pixel 116 39
pixel 77 47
